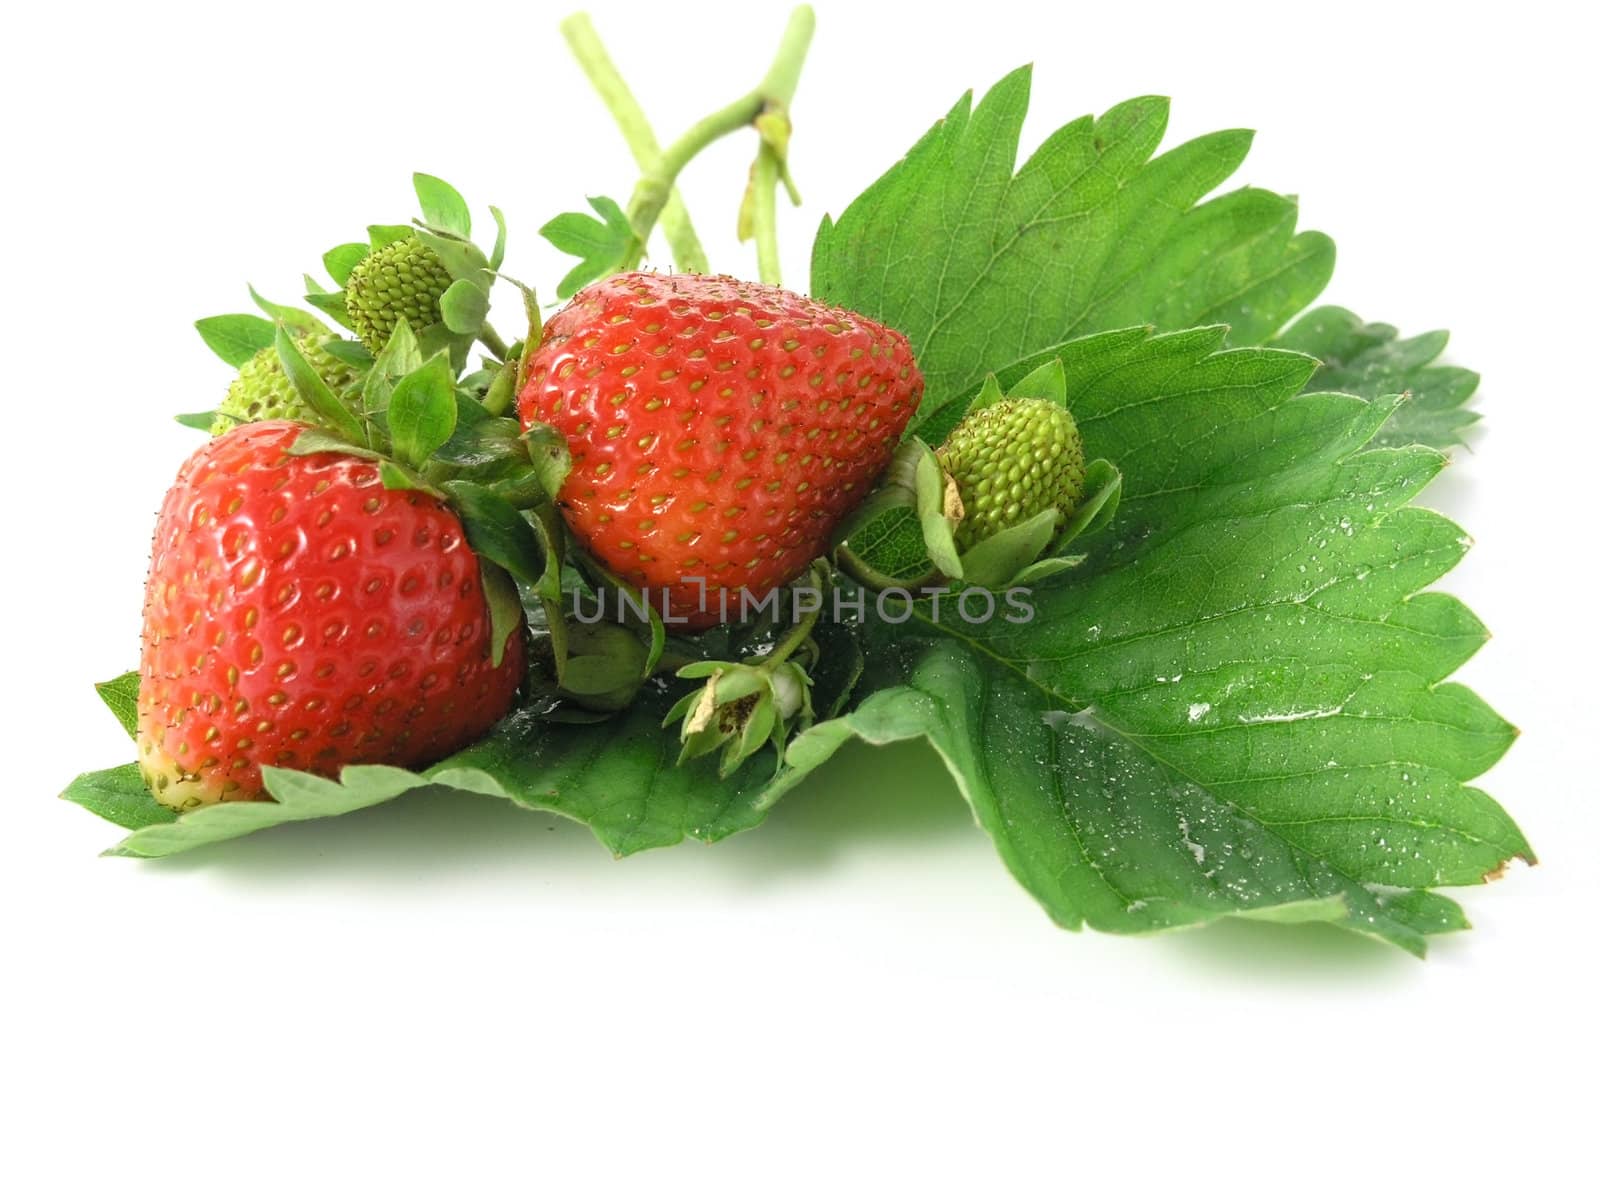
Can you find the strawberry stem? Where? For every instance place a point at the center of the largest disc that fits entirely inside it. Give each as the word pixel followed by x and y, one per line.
pixel 687 252
pixel 763 215
pixel 773 93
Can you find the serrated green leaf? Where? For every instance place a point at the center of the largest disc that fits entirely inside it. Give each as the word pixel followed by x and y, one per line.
pixel 601 246
pixel 1239 702
pixel 464 306
pixel 442 206
pixel 1373 360
pixel 981 264
pixel 121 696
pixel 341 260
pixel 236 338
pixel 422 412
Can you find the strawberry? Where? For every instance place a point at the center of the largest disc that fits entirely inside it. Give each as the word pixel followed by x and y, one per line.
pixel 1010 461
pixel 299 614
pixel 718 429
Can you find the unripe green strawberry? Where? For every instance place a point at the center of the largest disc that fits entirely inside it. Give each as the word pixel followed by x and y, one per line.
pixel 1011 461
pixel 262 392
pixel 403 279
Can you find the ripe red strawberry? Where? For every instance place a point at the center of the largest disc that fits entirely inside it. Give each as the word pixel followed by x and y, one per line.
pixel 718 429
pixel 298 614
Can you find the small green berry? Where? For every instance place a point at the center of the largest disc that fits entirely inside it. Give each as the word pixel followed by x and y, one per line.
pixel 403 279
pixel 1011 461
pixel 263 392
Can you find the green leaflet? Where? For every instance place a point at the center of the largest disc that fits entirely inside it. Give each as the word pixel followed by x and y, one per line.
pixel 619 777
pixel 1240 703
pixel 981 264
pixel 1373 360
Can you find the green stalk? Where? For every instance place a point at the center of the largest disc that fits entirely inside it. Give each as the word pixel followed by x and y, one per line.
pixel 763 210
pixel 775 91
pixel 687 252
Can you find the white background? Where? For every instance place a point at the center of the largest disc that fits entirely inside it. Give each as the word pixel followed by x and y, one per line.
pixel 855 999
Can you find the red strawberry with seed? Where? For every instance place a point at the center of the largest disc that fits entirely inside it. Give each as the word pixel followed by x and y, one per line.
pixel 298 614
pixel 718 429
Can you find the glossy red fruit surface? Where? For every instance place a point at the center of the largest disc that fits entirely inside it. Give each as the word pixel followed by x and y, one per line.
pixel 719 429
pixel 298 614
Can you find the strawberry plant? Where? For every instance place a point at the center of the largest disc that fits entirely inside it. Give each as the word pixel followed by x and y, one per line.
pixel 1052 469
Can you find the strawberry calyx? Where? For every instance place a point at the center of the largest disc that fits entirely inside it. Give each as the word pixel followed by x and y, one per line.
pixel 957 538
pixel 745 705
pixel 429 273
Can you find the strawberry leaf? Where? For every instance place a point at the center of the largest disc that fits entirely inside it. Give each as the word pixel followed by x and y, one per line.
pixel 299 797
pixel 1373 360
pixel 602 246
pixel 1098 233
pixel 1239 704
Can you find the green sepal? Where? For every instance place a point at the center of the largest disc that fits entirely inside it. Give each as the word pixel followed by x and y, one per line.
pixel 535 334
pixel 396 478
pixel 341 260
pixel 505 608
pixel 552 460
pixel 1102 492
pixel 320 441
pixel 937 508
pixel 119 795
pixel 497 255
pixel 236 338
pixel 299 321
pixel 316 393
pixel 605 667
pixel 442 206
pixel 995 561
pixel 203 421
pixel 400 356
pixel 331 303
pixel 383 235
pixel 498 532
pixel 502 389
pixel 352 354
pixel 464 306
pixel 422 412
pixel 1044 568
pixel 462 259
pixel 1047 381
pixel 121 696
